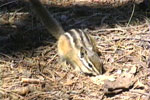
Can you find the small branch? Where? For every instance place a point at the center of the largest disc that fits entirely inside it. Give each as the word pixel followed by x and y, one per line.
pixel 140 92
pixel 29 80
pixel 131 15
pixel 17 13
pixel 5 4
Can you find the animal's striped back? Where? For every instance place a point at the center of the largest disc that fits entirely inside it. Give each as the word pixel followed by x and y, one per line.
pixel 77 47
pixel 79 38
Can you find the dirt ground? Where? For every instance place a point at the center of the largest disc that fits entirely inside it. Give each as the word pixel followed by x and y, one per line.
pixel 30 67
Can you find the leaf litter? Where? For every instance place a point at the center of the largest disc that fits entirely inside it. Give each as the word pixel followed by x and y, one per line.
pixel 34 71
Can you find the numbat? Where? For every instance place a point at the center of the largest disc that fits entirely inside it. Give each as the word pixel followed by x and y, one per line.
pixel 74 46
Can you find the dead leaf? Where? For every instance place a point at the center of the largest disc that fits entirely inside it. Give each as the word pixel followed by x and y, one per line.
pixel 22 90
pixel 101 78
pixel 122 83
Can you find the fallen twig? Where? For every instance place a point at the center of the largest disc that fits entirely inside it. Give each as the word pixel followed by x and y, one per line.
pixel 5 4
pixel 139 92
pixel 29 80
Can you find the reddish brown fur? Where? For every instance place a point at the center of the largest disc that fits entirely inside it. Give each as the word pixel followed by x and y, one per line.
pixel 64 45
pixel 66 51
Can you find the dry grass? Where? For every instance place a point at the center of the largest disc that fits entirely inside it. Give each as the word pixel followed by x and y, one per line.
pixel 30 67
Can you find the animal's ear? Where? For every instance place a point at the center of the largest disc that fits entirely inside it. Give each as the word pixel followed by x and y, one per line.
pixel 94 45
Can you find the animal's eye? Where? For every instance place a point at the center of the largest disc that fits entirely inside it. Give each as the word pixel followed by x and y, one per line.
pixel 82 52
pixel 90 65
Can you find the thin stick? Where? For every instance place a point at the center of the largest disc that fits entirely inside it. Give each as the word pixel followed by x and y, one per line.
pixel 136 91
pixel 131 15
pixel 8 3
